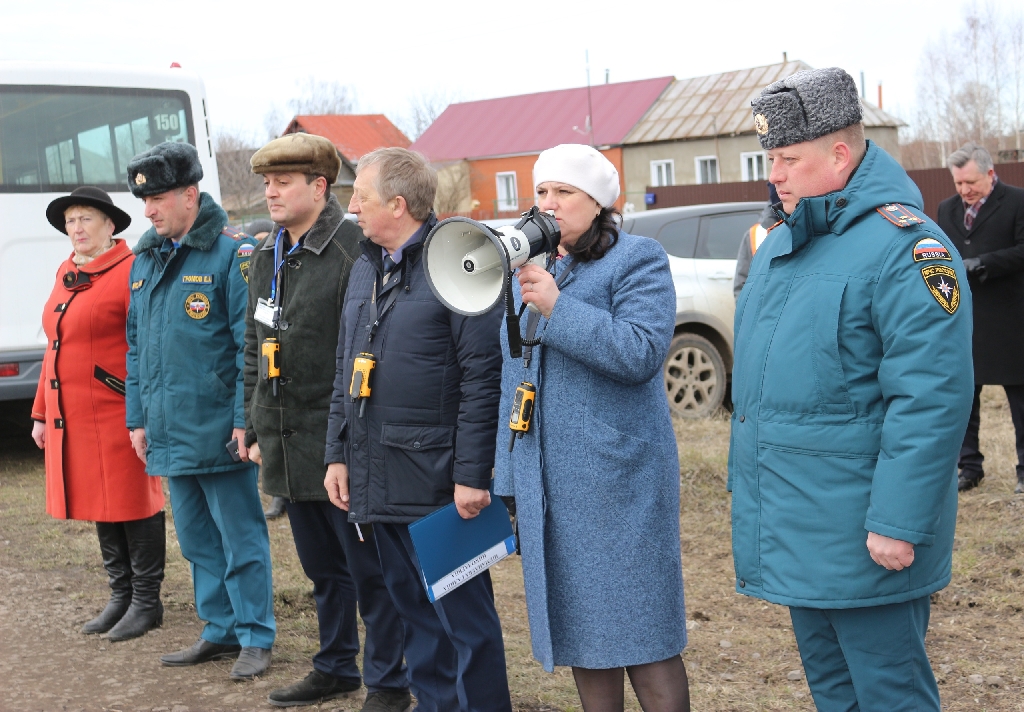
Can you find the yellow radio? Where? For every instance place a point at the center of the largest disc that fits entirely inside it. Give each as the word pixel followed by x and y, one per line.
pixel 270 368
pixel 359 388
pixel 522 412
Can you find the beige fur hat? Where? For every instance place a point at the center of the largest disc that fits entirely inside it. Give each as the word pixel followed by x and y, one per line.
pixel 300 152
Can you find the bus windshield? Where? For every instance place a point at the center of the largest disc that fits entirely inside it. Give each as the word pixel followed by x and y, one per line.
pixel 55 139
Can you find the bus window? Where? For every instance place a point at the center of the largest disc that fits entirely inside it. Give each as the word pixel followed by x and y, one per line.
pixel 54 139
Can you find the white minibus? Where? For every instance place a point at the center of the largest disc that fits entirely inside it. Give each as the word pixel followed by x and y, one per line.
pixel 63 126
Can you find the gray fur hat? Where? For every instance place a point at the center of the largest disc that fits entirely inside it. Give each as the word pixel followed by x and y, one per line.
pixel 805 106
pixel 163 168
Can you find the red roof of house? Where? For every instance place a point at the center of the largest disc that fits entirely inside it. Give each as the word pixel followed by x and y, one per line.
pixel 354 135
pixel 531 123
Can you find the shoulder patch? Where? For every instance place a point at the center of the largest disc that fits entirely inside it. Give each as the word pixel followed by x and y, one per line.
pixel 930 249
pixel 941 281
pixel 246 250
pixel 137 284
pixel 898 215
pixel 243 267
pixel 233 233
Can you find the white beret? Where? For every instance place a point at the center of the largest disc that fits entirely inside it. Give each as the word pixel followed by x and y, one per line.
pixel 582 167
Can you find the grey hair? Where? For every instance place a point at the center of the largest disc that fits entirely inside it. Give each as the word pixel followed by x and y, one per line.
pixel 405 173
pixel 971 151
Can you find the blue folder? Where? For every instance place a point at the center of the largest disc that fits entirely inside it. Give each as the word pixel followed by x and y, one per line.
pixel 452 550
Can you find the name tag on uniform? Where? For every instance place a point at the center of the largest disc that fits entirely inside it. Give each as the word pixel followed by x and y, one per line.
pixel 197 279
pixel 267 313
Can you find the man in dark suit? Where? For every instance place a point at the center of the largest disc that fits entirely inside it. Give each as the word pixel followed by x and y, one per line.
pixel 985 220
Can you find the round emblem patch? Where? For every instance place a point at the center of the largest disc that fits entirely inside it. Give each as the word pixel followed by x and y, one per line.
pixel 197 305
pixel 760 124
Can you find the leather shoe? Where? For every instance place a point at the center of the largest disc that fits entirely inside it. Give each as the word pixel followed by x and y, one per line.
pixel 276 508
pixel 968 481
pixel 315 687
pixel 251 662
pixel 201 651
pixel 388 701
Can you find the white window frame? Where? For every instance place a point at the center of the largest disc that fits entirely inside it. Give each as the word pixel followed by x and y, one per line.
pixel 671 173
pixel 744 168
pixel 696 168
pixel 506 205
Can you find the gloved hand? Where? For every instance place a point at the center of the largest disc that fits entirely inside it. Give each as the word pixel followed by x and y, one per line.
pixel 975 268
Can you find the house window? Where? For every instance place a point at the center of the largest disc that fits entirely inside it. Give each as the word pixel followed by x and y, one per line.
pixel 707 169
pixel 508 196
pixel 752 166
pixel 663 173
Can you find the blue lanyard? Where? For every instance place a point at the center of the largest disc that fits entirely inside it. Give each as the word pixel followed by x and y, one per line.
pixel 278 262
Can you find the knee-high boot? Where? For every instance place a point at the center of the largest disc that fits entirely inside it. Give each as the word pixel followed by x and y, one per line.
pixel 147 545
pixel 116 560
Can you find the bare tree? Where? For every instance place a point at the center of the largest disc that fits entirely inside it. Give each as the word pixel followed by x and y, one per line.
pixel 424 108
pixel 240 188
pixel 321 98
pixel 453 189
pixel 969 85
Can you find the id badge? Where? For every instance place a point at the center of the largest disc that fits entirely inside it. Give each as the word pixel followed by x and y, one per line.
pixel 267 313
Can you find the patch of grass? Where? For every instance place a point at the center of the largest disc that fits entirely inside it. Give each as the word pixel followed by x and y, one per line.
pixel 975 625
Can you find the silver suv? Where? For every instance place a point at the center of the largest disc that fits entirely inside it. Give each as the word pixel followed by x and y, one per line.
pixel 702 242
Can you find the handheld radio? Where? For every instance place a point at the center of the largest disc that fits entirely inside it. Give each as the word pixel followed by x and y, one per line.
pixel 359 388
pixel 522 412
pixel 270 368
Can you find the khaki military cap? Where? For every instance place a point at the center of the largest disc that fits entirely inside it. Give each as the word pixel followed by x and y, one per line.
pixel 301 152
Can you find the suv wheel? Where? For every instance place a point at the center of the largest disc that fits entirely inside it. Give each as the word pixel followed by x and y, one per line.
pixel 694 377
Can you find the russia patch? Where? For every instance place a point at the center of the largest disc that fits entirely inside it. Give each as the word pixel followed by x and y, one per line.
pixel 941 281
pixel 930 249
pixel 245 250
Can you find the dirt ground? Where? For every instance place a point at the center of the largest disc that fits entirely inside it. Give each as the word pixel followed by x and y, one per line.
pixel 741 656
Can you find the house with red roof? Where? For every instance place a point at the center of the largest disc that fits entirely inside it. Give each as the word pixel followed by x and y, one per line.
pixel 485 150
pixel 354 135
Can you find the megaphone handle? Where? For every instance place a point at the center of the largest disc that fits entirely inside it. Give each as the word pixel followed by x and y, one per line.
pixel 515 339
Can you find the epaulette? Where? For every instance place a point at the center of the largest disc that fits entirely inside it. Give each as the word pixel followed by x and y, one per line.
pixel 234 233
pixel 898 215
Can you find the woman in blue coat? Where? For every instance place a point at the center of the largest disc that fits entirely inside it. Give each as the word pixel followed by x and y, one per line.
pixel 596 478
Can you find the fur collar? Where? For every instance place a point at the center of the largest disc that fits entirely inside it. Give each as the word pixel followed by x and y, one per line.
pixel 203 235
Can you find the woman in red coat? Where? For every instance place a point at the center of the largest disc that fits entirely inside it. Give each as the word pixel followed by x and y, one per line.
pixel 92 472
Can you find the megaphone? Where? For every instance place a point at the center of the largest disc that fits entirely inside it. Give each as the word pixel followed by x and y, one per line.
pixel 469 264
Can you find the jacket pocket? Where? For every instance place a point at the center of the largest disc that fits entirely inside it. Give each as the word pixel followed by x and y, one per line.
pixel 418 462
pixel 829 379
pixel 109 380
pixel 212 380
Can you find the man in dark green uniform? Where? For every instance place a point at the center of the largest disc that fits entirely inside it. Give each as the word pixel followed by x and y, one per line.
pixel 297 282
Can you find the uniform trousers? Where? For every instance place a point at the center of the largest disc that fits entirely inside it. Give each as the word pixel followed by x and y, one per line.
pixel 222 532
pixel 345 573
pixel 971 458
pixel 867 659
pixel 453 647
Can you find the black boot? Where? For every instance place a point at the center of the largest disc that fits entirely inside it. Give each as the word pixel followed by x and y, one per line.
pixel 116 560
pixel 147 544
pixel 276 508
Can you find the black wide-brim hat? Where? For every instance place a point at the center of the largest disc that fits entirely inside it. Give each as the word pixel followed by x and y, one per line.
pixel 89 197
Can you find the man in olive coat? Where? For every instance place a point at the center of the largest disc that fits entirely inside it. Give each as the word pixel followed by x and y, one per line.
pixel 985 220
pixel 297 281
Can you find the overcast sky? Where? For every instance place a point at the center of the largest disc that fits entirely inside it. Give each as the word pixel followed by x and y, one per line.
pixel 253 55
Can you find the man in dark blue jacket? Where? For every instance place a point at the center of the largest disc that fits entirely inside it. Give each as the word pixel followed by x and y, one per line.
pixel 425 435
pixel 184 395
